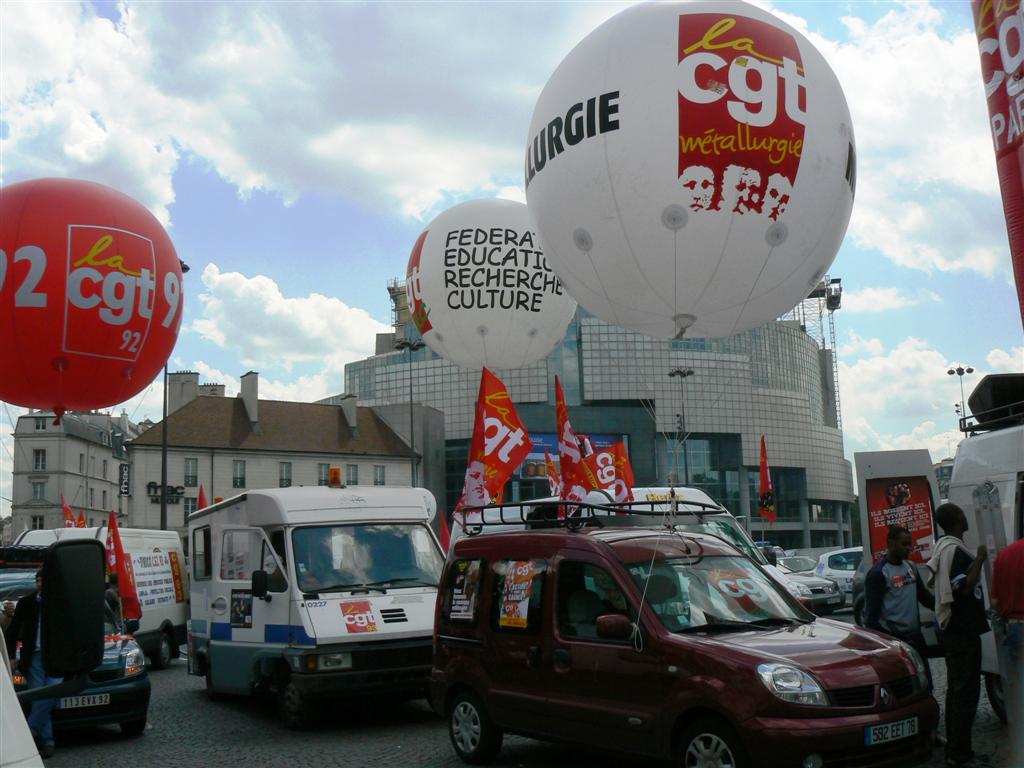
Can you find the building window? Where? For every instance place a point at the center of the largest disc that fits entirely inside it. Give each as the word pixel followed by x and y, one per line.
pixel 238 473
pixel 104 469
pixel 38 490
pixel 39 459
pixel 191 504
pixel 92 497
pixel 284 475
pixel 37 522
pixel 81 463
pixel 323 474
pixel 104 500
pixel 191 473
pixel 105 438
pixel 378 474
pixel 40 423
pixel 351 474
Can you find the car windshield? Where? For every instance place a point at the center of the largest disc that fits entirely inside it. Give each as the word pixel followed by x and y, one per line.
pixel 715 593
pixel 798 564
pixel 378 556
pixel 725 527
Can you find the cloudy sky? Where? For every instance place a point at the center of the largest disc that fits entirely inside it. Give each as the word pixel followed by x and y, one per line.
pixel 295 151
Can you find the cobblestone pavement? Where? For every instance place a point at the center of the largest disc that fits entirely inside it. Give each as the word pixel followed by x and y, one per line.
pixel 185 729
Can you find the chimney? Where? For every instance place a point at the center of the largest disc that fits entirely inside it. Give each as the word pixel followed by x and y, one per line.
pixel 211 390
pixel 250 396
pixel 182 389
pixel 348 407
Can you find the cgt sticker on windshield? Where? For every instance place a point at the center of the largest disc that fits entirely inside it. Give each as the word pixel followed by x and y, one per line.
pixel 358 616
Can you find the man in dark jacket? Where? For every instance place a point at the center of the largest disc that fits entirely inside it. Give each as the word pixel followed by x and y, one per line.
pixel 893 590
pixel 25 629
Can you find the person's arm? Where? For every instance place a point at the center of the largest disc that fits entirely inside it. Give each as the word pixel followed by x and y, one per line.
pixel 13 632
pixel 924 595
pixel 966 586
pixel 874 594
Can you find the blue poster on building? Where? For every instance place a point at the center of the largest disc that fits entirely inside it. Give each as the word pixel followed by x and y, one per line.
pixel 534 467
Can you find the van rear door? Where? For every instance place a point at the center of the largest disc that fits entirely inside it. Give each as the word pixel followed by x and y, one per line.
pixel 245 627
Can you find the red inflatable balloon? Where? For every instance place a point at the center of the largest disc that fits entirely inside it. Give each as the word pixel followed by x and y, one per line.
pixel 90 295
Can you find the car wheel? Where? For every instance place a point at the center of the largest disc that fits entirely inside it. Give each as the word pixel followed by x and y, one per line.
pixel 164 652
pixel 994 689
pixel 292 706
pixel 709 744
pixel 475 738
pixel 131 728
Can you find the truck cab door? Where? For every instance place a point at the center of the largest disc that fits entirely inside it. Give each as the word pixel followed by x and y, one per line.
pixel 245 628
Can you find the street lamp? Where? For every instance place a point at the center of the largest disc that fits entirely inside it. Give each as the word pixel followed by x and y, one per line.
pixel 163 439
pixel 959 371
pixel 682 373
pixel 410 347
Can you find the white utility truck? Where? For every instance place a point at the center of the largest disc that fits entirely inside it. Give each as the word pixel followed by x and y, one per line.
pixel 314 593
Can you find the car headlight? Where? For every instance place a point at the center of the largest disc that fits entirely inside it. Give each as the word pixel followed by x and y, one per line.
pixel 797 589
pixel 792 684
pixel 327 662
pixel 919 664
pixel 134 662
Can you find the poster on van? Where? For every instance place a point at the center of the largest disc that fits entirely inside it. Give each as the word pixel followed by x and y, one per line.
pixel 241 608
pixel 467 582
pixel 157 578
pixel 358 616
pixel 903 501
pixel 515 596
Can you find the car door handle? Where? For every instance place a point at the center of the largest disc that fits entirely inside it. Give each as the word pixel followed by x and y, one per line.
pixel 533 656
pixel 561 657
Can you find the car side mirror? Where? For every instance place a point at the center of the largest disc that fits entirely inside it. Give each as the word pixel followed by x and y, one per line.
pixel 769 553
pixel 259 584
pixel 131 626
pixel 73 607
pixel 614 626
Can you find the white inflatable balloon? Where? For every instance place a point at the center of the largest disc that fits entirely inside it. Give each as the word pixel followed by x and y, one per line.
pixel 481 291
pixel 691 168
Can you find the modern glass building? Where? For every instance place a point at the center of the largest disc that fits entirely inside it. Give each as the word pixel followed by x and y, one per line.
pixel 777 380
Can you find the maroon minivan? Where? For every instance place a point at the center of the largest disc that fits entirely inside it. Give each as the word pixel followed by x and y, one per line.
pixel 667 644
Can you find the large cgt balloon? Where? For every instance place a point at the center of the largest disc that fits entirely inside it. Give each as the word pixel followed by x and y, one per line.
pixel 691 168
pixel 90 295
pixel 480 289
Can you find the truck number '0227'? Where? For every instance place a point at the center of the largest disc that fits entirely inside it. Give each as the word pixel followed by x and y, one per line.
pixel 87 287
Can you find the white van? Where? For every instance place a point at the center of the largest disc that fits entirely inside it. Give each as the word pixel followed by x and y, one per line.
pixel 161 582
pixel 988 484
pixel 314 593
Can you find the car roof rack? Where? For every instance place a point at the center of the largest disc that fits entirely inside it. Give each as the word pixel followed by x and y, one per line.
pixel 574 515
pixel 22 556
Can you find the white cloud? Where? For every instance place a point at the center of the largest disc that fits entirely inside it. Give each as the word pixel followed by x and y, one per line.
pixel 857 345
pixel 1006 361
pixel 884 299
pixel 252 318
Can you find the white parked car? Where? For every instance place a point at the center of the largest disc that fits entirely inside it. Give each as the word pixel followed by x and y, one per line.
pixel 840 565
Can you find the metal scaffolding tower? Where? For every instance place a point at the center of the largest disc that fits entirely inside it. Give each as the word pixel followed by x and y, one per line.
pixel 816 316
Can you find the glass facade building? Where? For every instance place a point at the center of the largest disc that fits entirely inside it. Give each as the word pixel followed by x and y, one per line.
pixel 775 380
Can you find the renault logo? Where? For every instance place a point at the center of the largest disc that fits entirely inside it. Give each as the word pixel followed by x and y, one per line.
pixel 886 696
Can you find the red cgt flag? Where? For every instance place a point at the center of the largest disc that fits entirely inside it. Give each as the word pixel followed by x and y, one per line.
pixel 119 564
pixel 81 519
pixel 765 498
pixel 554 479
pixel 576 482
pixel 202 503
pixel 500 444
pixel 446 535
pixel 69 516
pixel 609 470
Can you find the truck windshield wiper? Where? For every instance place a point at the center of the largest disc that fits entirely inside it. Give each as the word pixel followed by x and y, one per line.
pixel 351 587
pixel 402 579
pixel 728 625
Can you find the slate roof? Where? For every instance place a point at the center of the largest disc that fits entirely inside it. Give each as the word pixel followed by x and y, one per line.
pixel 221 422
